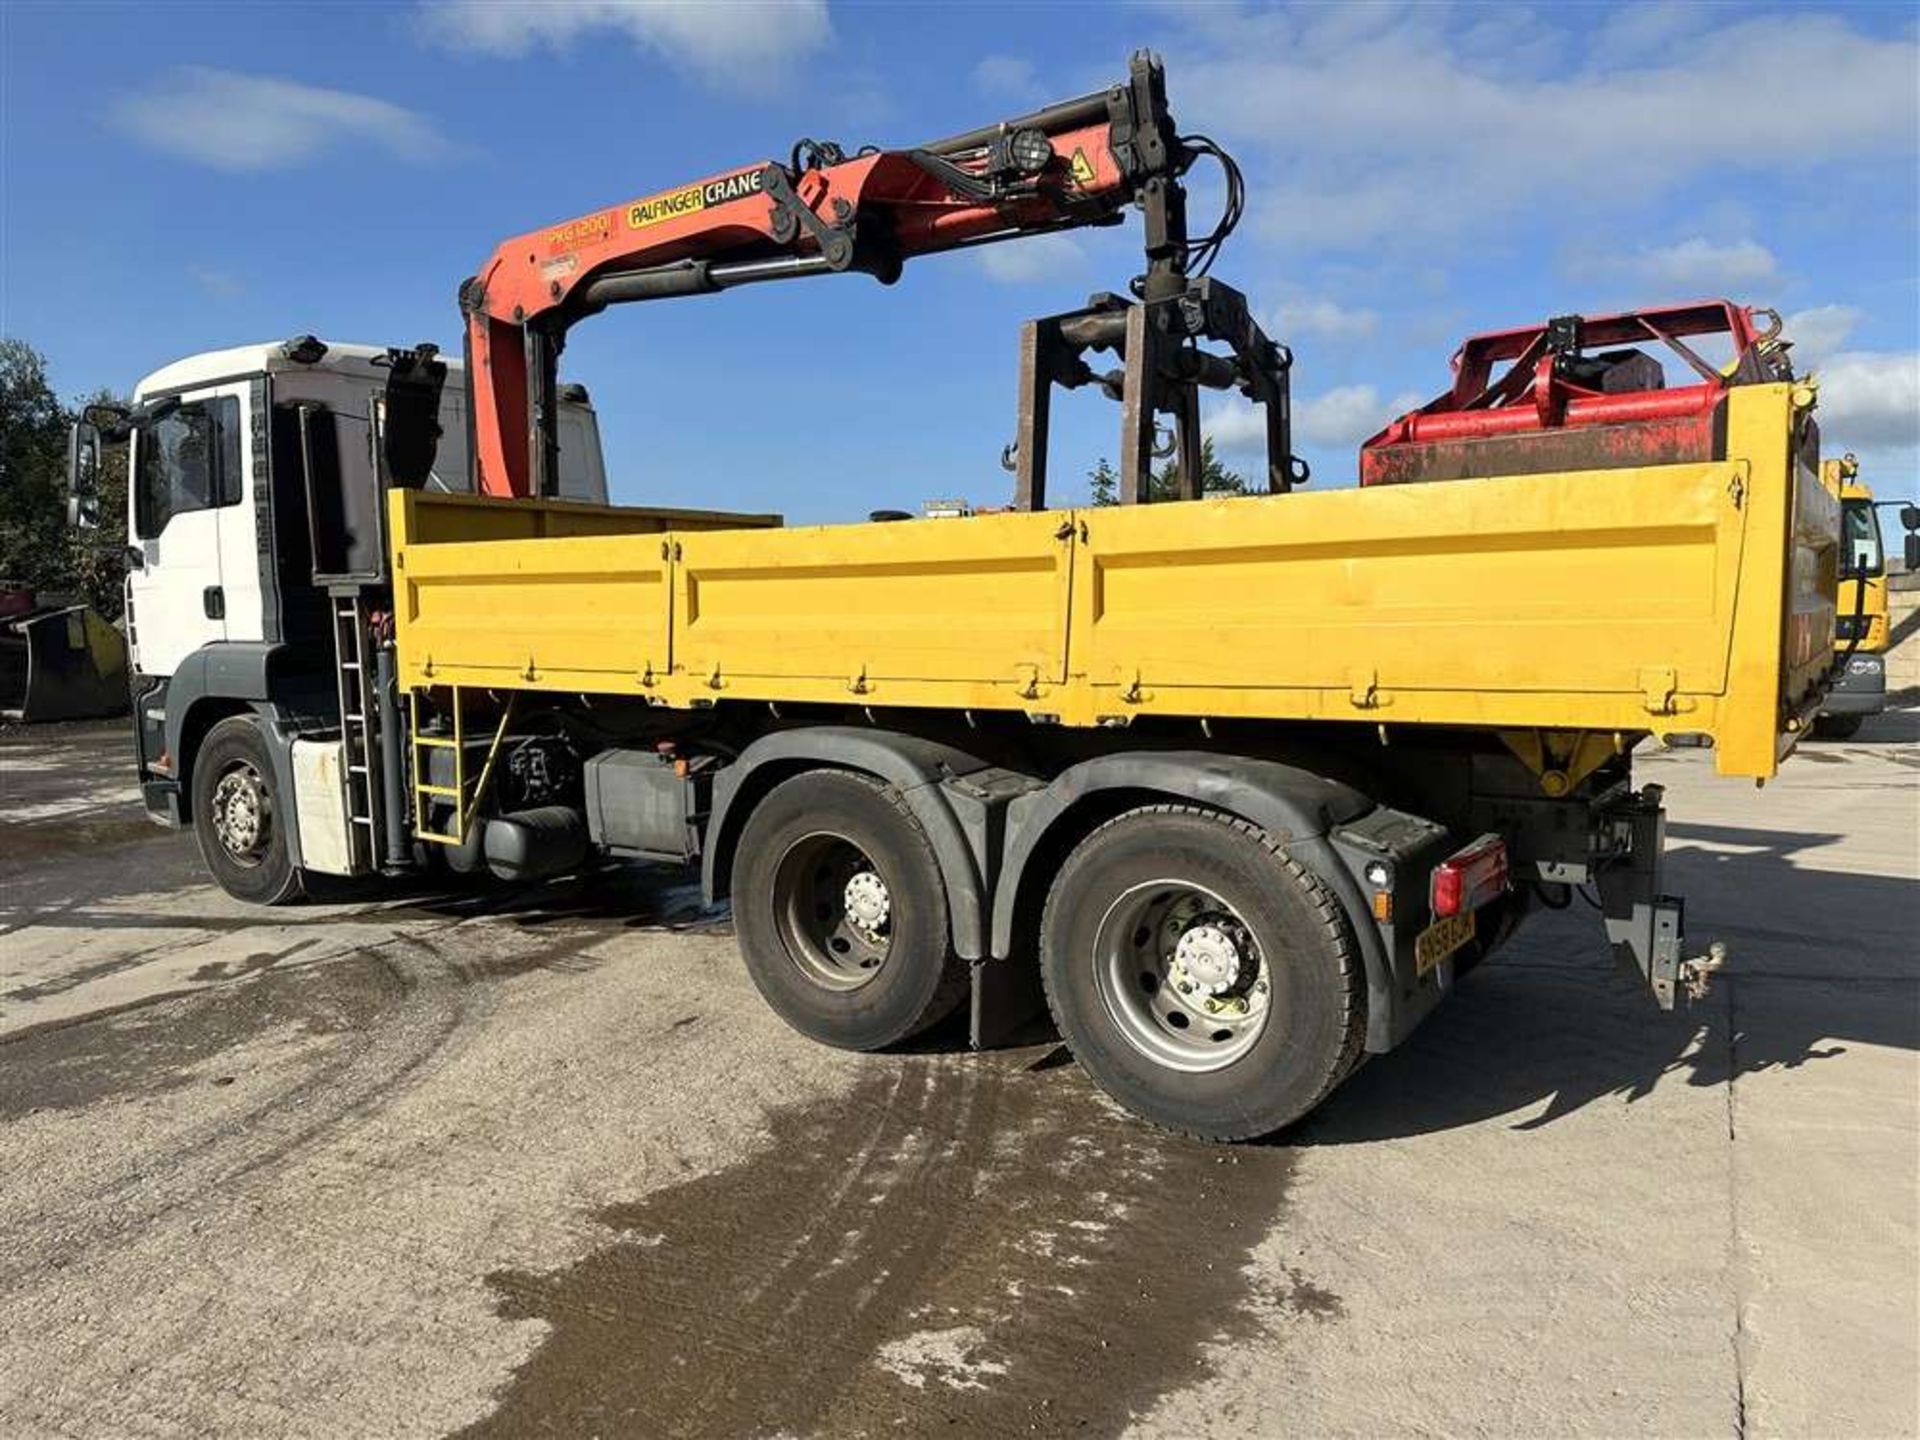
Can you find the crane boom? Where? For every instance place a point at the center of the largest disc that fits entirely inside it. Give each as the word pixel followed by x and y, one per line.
pixel 1073 164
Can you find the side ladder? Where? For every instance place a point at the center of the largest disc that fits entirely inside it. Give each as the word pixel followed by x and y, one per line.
pixel 359 743
pixel 429 796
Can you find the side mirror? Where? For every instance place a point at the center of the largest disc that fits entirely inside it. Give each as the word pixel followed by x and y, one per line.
pixel 83 476
pixel 112 421
pixel 410 437
pixel 1910 517
pixel 1913 551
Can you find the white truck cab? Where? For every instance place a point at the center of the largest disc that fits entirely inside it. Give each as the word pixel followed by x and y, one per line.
pixel 217 513
pixel 256 499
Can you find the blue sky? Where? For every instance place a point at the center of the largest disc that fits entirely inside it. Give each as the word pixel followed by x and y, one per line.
pixel 181 177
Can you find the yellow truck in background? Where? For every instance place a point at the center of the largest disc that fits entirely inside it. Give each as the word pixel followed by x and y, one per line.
pixel 1860 622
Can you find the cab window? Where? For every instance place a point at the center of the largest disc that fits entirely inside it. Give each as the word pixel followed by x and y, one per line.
pixel 186 460
pixel 1862 531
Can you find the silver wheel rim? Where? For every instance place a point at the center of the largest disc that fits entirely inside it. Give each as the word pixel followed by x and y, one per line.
pixel 1181 976
pixel 243 814
pixel 833 910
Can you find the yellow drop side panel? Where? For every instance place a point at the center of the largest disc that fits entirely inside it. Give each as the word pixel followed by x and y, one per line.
pixel 1674 598
pixel 901 612
pixel 1457 600
pixel 547 594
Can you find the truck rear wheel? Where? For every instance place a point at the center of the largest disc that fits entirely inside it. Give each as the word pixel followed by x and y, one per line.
pixel 239 817
pixel 841 912
pixel 1201 977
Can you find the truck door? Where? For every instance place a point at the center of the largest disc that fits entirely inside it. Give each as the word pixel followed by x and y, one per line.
pixel 187 485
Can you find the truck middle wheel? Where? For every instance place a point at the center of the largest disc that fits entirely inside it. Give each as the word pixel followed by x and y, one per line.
pixel 841 913
pixel 1202 977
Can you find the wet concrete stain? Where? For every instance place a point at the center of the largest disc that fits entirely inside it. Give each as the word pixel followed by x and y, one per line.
pixel 166 1045
pixel 22 842
pixel 962 1245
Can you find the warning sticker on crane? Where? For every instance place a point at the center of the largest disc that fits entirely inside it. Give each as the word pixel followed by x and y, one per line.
pixel 690 198
pixel 1080 168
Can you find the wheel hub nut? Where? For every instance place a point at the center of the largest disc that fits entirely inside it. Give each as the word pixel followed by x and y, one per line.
pixel 867 900
pixel 1208 954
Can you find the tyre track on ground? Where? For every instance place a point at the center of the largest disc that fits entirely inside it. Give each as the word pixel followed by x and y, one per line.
pixel 380 1018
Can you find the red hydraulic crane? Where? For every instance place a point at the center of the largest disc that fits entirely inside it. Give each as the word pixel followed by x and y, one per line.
pixel 1080 162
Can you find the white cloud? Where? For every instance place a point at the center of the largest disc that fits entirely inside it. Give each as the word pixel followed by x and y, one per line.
pixel 1334 419
pixel 1346 414
pixel 1031 260
pixel 1322 318
pixel 1697 266
pixel 1009 77
pixel 1638 34
pixel 1870 400
pixel 746 45
pixel 255 122
pixel 1385 125
pixel 1236 426
pixel 1818 333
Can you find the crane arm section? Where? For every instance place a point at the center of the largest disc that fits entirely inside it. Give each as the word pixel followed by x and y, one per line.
pixel 1078 163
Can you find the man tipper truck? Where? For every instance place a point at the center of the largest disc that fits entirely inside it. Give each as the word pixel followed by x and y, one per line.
pixel 1242 784
pixel 1860 629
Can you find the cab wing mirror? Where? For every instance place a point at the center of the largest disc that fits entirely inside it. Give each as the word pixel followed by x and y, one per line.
pixel 83 475
pixel 112 421
pixel 410 437
pixel 1913 551
pixel 1910 517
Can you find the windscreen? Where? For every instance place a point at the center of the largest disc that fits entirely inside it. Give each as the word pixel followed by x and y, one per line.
pixel 1860 533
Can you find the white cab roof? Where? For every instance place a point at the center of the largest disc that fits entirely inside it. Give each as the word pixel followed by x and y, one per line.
pixel 242 360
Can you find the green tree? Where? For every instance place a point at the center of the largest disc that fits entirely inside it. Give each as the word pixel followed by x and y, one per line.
pixel 37 547
pixel 1215 479
pixel 33 426
pixel 1104 483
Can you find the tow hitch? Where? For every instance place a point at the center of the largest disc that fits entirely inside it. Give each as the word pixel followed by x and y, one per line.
pixel 1697 974
pixel 1647 927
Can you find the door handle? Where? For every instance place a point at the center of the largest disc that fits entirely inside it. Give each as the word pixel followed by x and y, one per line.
pixel 214 599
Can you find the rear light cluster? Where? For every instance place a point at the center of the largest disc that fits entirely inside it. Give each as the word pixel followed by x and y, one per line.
pixel 1851 627
pixel 1470 877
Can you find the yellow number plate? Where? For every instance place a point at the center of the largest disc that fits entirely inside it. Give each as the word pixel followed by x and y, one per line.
pixel 1441 939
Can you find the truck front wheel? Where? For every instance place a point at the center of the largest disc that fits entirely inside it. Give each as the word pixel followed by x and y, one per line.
pixel 239 817
pixel 1202 977
pixel 841 912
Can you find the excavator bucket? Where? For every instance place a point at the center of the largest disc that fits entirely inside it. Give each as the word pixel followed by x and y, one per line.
pixel 61 663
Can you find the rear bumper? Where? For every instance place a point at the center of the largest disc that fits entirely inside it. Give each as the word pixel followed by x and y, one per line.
pixel 1860 689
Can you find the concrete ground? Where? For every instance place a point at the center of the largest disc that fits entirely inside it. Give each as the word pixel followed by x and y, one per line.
pixel 542 1162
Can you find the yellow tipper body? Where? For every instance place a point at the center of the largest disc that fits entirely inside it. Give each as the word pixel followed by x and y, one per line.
pixel 1692 598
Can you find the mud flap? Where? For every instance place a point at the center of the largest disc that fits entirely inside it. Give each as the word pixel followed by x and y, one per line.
pixel 1008 1003
pixel 64 664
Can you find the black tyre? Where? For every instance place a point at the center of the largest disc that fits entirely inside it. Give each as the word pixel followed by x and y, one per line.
pixel 841 912
pixel 239 816
pixel 1837 727
pixel 1202 978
